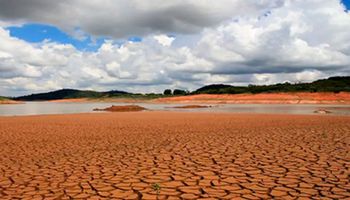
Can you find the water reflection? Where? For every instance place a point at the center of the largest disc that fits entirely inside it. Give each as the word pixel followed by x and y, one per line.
pixel 39 108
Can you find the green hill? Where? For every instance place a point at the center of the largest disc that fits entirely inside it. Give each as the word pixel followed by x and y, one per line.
pixel 69 94
pixel 333 84
pixel 3 98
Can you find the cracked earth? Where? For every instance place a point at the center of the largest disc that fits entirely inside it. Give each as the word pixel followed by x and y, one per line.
pixel 189 155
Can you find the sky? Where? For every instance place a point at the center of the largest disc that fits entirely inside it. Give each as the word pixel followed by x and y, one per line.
pixel 346 3
pixel 152 45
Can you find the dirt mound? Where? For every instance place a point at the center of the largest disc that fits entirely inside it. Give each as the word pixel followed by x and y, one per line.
pixel 128 108
pixel 191 106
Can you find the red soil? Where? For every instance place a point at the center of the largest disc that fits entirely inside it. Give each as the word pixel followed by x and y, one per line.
pixel 9 102
pixel 117 100
pixel 127 108
pixel 190 155
pixel 265 98
pixel 78 100
pixel 191 106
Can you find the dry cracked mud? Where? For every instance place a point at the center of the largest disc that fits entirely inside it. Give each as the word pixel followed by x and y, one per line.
pixel 190 156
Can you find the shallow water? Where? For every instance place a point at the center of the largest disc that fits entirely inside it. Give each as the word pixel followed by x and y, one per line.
pixel 39 108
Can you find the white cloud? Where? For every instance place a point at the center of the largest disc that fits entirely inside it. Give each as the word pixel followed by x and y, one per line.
pixel 122 18
pixel 164 40
pixel 283 39
pixel 294 40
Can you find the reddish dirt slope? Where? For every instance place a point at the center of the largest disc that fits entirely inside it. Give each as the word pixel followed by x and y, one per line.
pixel 77 100
pixel 190 155
pixel 268 98
pixel 9 102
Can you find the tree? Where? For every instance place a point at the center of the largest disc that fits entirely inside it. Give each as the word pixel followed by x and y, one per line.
pixel 179 92
pixel 167 92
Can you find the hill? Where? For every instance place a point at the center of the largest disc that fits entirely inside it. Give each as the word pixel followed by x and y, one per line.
pixel 6 100
pixel 3 98
pixel 69 94
pixel 333 84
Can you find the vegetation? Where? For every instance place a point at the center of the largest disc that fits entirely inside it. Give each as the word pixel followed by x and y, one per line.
pixel 167 92
pixel 175 92
pixel 70 94
pixel 3 98
pixel 156 187
pixel 333 84
pixel 180 92
pixel 73 94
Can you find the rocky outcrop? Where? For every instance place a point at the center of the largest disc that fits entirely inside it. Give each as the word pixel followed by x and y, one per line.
pixel 127 108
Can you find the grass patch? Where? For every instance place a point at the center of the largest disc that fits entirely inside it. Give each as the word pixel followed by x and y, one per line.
pixel 156 187
pixel 3 98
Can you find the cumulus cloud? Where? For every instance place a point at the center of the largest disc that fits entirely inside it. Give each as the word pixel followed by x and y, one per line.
pixel 288 39
pixel 277 41
pixel 122 18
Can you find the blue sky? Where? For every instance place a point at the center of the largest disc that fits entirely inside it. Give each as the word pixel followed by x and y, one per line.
pixel 35 33
pixel 347 4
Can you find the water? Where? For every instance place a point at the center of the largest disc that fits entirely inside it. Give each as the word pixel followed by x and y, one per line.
pixel 40 108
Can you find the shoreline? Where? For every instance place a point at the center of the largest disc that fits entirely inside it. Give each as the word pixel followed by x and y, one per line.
pixel 181 111
pixel 10 102
pixel 341 98
pixel 38 108
pixel 263 98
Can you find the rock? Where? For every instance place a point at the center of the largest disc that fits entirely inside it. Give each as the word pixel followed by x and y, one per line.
pixel 322 111
pixel 127 108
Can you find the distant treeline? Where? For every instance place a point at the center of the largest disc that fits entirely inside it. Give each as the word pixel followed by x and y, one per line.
pixel 333 84
pixel 69 94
